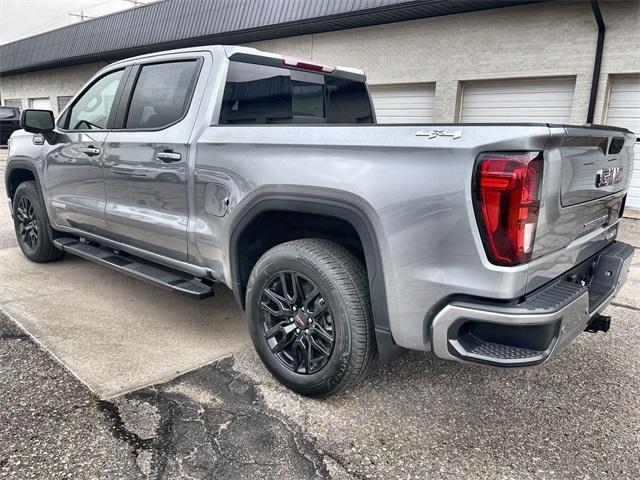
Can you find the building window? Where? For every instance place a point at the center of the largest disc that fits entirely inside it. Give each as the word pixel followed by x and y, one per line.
pixel 41 103
pixel 63 101
pixel 13 102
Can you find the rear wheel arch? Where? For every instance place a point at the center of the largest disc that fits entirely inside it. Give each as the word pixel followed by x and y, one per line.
pixel 339 211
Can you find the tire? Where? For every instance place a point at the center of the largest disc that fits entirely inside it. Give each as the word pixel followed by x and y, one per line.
pixel 334 288
pixel 32 225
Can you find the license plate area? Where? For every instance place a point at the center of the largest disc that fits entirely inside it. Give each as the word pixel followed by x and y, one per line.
pixel 603 273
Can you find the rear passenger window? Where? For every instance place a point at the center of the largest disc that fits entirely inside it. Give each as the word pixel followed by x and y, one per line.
pixel 161 94
pixel 256 94
pixel 260 94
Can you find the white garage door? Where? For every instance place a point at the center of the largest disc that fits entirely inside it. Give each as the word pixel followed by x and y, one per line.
pixel 624 111
pixel 539 100
pixel 409 103
pixel 40 103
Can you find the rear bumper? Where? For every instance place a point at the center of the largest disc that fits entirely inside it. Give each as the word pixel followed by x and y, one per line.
pixel 529 332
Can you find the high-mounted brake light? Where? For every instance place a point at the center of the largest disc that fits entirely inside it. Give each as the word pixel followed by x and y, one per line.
pixel 507 200
pixel 307 65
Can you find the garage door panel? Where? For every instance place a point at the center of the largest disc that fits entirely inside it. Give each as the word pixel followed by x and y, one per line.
pixel 623 98
pixel 40 103
pixel 416 102
pixel 626 118
pixel 479 91
pixel 507 112
pixel 502 120
pixel 538 100
pixel 406 112
pixel 508 90
pixel 513 102
pixel 407 103
pixel 625 83
pixel 624 111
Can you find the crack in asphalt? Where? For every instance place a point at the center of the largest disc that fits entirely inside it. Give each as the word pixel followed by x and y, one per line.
pixel 10 336
pixel 119 431
pixel 211 421
pixel 624 305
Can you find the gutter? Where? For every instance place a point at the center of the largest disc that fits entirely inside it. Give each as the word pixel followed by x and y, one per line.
pixel 595 7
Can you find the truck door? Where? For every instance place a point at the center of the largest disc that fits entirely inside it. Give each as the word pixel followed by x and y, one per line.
pixel 146 156
pixel 72 169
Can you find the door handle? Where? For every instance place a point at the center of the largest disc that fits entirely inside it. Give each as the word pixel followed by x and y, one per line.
pixel 168 157
pixel 90 151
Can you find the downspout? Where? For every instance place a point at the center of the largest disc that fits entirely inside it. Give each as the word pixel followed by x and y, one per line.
pixel 598 60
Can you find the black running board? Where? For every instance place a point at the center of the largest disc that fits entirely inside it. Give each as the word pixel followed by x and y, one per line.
pixel 165 278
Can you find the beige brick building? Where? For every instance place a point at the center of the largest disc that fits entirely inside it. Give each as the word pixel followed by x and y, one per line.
pixel 521 62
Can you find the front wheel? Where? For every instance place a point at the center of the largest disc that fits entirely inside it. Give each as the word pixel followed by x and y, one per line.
pixel 310 316
pixel 32 225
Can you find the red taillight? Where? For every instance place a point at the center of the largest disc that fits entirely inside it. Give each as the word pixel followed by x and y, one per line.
pixel 507 202
pixel 307 65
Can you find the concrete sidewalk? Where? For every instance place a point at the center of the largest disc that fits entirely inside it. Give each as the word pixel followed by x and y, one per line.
pixel 114 332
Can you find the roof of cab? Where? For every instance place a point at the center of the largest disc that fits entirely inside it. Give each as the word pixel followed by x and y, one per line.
pixel 228 51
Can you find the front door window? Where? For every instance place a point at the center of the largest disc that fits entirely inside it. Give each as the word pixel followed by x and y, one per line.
pixel 91 111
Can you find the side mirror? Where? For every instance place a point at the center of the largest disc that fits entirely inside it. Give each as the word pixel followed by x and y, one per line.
pixel 39 122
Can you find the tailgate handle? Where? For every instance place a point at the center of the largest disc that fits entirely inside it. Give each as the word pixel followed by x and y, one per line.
pixel 616 145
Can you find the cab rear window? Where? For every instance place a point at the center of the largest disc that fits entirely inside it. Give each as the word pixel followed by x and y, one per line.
pixel 260 94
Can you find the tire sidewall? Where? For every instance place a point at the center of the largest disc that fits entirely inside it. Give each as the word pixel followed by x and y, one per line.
pixel 27 190
pixel 338 364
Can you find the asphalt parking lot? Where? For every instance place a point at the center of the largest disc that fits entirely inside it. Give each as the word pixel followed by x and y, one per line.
pixel 577 416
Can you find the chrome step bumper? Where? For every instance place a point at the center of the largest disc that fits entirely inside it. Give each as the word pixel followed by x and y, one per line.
pixel 528 333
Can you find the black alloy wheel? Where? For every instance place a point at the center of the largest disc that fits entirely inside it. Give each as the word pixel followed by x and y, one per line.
pixel 310 317
pixel 33 230
pixel 297 322
pixel 27 223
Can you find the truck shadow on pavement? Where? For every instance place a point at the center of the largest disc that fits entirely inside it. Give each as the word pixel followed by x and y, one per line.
pixel 575 416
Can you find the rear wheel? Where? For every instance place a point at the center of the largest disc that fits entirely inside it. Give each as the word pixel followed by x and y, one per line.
pixel 310 316
pixel 32 226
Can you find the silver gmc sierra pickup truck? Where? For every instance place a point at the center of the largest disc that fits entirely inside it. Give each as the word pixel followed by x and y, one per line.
pixel 344 240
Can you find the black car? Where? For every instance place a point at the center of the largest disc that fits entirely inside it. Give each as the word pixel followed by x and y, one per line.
pixel 9 122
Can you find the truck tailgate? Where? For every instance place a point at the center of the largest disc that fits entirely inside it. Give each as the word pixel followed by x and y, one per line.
pixel 587 173
pixel 595 164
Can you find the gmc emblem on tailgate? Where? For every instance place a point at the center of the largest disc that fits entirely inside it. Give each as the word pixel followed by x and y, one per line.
pixel 608 176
